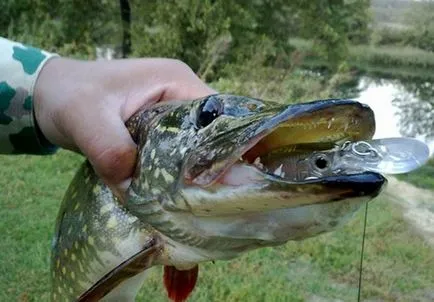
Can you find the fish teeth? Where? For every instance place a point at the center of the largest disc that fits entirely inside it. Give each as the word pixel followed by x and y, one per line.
pixel 278 171
pixel 257 163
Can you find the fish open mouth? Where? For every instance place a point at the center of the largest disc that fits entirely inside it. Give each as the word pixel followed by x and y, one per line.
pixel 299 129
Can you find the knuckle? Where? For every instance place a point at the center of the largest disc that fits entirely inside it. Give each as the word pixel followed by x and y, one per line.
pixel 180 65
pixel 115 163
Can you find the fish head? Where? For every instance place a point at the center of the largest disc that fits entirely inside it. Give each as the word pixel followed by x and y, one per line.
pixel 225 173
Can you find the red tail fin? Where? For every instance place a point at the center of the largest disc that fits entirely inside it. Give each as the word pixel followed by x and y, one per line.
pixel 179 284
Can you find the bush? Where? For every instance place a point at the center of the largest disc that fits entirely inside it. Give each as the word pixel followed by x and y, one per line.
pixel 72 28
pixel 421 21
pixel 392 56
pixel 389 36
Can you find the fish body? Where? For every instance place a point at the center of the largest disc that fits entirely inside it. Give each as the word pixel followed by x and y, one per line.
pixel 214 178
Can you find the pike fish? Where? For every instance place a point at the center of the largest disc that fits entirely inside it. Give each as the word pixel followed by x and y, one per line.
pixel 215 177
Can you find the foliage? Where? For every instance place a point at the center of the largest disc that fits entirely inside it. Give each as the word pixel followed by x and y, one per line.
pixel 421 20
pixel 72 28
pixel 279 84
pixel 205 34
pixel 197 32
pixel 389 12
pixel 415 103
pixel 413 26
pixel 387 61
pixel 271 83
pixel 392 56
pixel 389 36
pixel 209 34
pixel 333 24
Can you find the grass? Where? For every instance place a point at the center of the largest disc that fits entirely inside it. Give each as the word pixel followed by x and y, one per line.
pixel 398 264
pixel 422 177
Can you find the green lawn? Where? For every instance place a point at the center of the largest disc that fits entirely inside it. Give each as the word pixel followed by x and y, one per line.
pixel 422 177
pixel 398 265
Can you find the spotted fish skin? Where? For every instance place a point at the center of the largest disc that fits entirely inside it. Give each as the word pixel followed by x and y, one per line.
pixel 94 232
pixel 94 235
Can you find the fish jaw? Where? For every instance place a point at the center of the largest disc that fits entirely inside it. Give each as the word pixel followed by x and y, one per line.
pixel 221 187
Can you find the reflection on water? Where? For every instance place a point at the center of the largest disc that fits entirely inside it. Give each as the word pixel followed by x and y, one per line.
pixel 401 108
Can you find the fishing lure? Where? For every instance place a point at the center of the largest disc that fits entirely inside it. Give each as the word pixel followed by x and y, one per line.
pixel 385 156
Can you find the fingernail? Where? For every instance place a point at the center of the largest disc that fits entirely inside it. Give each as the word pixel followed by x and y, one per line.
pixel 123 186
pixel 120 189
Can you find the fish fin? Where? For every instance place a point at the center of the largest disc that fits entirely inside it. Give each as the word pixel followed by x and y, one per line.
pixel 179 284
pixel 134 265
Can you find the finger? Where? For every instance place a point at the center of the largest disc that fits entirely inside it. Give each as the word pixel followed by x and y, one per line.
pixel 184 84
pixel 109 148
pixel 170 80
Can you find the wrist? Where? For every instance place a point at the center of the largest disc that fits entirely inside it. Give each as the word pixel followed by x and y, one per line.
pixel 60 84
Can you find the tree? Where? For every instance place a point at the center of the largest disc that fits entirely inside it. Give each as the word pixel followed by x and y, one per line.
pixel 416 107
pixel 126 27
pixel 190 29
pixel 206 34
pixel 67 27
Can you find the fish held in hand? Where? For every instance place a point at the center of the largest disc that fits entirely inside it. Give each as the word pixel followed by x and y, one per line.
pixel 215 177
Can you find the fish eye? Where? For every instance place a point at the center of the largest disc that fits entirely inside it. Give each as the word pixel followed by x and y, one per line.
pixel 322 162
pixel 209 110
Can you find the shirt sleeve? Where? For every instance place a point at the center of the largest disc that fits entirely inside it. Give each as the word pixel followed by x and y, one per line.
pixel 19 68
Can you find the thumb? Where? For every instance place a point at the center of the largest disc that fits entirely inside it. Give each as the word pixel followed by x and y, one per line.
pixel 110 149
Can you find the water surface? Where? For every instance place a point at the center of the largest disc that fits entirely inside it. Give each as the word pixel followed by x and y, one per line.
pixel 400 109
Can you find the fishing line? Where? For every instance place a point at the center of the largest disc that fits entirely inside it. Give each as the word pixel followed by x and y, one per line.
pixel 362 252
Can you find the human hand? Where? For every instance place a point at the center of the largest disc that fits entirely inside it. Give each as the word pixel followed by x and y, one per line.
pixel 83 105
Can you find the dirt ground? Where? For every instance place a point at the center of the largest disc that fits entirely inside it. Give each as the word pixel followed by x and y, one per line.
pixel 418 206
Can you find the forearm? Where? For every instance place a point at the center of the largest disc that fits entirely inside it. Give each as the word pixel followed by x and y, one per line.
pixel 19 68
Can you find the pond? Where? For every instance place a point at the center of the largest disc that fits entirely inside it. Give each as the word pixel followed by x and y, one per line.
pixel 401 107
